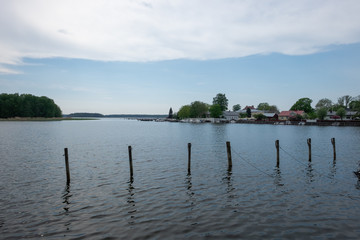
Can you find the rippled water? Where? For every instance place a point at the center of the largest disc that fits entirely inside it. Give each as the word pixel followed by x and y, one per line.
pixel 255 200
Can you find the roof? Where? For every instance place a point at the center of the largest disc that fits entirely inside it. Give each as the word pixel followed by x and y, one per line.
pixel 230 113
pixel 269 115
pixel 290 113
pixel 251 107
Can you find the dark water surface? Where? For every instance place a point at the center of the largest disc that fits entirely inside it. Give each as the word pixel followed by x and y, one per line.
pixel 255 200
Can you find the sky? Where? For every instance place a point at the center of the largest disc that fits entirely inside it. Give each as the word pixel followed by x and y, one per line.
pixel 143 57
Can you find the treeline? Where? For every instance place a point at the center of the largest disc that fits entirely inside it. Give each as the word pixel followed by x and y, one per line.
pixel 99 115
pixel 27 105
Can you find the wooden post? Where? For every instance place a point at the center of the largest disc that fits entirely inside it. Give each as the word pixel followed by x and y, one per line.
pixel 66 154
pixel 189 158
pixel 309 145
pixel 130 162
pixel 228 148
pixel 334 149
pixel 277 145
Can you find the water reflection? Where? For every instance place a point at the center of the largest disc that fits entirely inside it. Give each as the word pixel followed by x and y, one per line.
pixel 131 201
pixel 277 177
pixel 189 190
pixel 228 180
pixel 309 172
pixel 66 198
pixel 333 170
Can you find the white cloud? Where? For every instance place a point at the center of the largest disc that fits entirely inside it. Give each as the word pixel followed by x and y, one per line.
pixel 132 30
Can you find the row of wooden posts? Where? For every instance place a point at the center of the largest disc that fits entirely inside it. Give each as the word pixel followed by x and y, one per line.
pixel 228 149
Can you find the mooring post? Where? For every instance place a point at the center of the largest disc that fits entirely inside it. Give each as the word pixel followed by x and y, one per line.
pixel 228 148
pixel 189 158
pixel 66 154
pixel 309 145
pixel 334 149
pixel 130 162
pixel 277 145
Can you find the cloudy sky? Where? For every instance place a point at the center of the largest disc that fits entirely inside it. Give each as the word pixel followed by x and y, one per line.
pixel 135 56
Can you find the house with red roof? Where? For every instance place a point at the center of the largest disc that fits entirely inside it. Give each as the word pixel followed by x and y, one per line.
pixel 288 115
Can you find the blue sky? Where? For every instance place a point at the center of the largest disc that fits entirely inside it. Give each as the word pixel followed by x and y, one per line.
pixel 156 55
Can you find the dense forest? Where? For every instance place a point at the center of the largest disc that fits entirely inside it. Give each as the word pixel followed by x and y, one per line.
pixel 27 105
pixel 99 115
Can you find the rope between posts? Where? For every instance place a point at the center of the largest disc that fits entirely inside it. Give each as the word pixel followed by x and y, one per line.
pixel 321 174
pixel 252 165
pixel 293 157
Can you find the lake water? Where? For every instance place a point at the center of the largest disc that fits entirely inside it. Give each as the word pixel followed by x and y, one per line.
pixel 255 200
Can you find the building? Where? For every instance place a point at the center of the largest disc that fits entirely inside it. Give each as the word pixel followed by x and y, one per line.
pixel 230 115
pixel 289 115
pixel 348 116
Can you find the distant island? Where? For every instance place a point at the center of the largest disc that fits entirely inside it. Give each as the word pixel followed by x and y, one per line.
pixel 28 106
pixel 99 115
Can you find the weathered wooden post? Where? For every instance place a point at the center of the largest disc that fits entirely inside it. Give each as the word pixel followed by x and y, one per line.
pixel 66 154
pixel 130 162
pixel 309 145
pixel 228 148
pixel 189 158
pixel 277 145
pixel 334 149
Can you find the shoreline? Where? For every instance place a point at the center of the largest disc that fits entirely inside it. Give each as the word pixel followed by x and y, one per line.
pixel 42 119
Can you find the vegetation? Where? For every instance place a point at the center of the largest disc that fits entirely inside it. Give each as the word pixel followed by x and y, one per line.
pixel 236 107
pixel 248 112
pixel 170 113
pixel 266 107
pixel 198 109
pixel 259 116
pixel 27 105
pixel 221 100
pixel 321 113
pixel 215 111
pixel 344 101
pixel 341 113
pixel 303 104
pixel 324 104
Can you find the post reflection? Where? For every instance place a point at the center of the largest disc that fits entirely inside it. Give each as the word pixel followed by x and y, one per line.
pixel 66 198
pixel 188 182
pixel 309 172
pixel 277 177
pixel 228 179
pixel 131 201
pixel 333 170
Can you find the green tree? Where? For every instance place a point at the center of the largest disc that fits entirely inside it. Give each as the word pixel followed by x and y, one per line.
pixel 355 105
pixel 322 112
pixel 263 106
pixel 236 107
pixel 27 105
pixel 198 109
pixel 303 104
pixel 248 112
pixel 341 112
pixel 324 103
pixel 170 113
pixel 266 107
pixel 259 116
pixel 184 112
pixel 242 115
pixel 215 111
pixel 221 100
pixel 344 101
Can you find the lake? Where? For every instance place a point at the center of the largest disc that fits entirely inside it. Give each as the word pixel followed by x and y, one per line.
pixel 255 200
